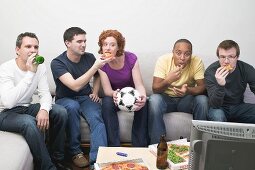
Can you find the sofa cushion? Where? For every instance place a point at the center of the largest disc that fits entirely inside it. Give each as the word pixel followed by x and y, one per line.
pixel 178 124
pixel 125 123
pixel 249 96
pixel 15 153
pixel 85 131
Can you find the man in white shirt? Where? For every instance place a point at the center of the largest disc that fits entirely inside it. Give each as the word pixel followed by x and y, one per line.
pixel 20 78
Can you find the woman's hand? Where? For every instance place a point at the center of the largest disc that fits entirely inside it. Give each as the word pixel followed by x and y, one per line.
pixel 114 96
pixel 140 102
pixel 94 98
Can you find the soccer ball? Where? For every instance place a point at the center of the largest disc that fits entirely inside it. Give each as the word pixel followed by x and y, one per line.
pixel 127 97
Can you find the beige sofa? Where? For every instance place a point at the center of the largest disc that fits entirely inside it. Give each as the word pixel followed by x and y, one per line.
pixel 14 152
pixel 177 124
pixel 16 155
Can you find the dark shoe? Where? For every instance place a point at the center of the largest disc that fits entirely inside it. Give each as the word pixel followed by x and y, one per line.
pixel 61 165
pixel 80 161
pixel 91 167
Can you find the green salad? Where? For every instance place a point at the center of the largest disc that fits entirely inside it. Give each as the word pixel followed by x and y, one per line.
pixel 173 152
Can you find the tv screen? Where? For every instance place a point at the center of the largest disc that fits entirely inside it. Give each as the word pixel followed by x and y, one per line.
pixel 222 146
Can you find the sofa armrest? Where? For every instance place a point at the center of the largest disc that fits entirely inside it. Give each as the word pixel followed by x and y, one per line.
pixel 249 96
pixel 15 153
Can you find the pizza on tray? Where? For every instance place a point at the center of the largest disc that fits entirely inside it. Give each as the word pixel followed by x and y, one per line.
pixel 124 166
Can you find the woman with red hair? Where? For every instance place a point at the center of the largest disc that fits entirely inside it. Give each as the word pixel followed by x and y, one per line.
pixel 122 71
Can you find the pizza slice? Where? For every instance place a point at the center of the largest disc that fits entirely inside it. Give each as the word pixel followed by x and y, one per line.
pixel 228 67
pixel 107 55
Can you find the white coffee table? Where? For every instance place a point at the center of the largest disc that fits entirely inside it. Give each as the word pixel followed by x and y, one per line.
pixel 108 154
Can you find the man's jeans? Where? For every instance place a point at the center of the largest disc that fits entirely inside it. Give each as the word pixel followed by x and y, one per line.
pixel 22 120
pixel 242 113
pixel 160 104
pixel 139 128
pixel 91 111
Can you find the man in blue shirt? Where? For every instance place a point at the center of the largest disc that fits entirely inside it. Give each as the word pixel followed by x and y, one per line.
pixel 72 71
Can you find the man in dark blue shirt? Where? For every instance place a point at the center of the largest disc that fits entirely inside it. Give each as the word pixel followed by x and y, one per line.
pixel 72 72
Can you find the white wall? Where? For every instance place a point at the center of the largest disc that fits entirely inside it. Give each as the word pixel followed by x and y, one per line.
pixel 150 26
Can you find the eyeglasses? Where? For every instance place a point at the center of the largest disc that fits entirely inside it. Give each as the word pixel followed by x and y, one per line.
pixel 185 54
pixel 223 58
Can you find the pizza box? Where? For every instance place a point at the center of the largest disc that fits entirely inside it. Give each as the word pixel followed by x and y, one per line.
pixel 129 164
pixel 183 156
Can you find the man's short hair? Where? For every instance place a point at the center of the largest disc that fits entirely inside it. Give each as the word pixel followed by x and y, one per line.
pixel 226 45
pixel 185 41
pixel 71 32
pixel 25 34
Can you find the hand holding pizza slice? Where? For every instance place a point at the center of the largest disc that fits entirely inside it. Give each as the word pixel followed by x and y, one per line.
pixel 107 55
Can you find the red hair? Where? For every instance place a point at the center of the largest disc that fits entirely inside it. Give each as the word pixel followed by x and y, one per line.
pixel 115 34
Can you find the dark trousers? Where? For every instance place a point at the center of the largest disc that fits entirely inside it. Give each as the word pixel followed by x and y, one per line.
pixel 242 113
pixel 139 127
pixel 91 111
pixel 22 120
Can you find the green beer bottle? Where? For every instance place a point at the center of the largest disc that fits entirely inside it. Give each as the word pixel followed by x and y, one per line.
pixel 39 59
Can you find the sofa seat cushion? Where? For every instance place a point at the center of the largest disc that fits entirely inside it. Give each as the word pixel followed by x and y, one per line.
pixel 125 123
pixel 249 96
pixel 178 124
pixel 85 131
pixel 15 153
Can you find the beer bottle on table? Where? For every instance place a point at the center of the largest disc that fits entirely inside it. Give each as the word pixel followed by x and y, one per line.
pixel 162 151
pixel 39 59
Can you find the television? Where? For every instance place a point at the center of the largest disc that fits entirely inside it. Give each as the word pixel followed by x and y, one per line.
pixel 222 146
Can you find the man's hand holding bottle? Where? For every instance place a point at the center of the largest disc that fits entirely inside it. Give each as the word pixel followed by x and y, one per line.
pixel 33 61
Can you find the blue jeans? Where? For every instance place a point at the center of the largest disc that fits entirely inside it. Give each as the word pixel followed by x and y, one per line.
pixel 22 120
pixel 242 113
pixel 91 111
pixel 159 104
pixel 139 127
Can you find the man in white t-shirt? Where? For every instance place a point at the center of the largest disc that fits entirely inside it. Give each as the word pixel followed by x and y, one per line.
pixel 20 78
